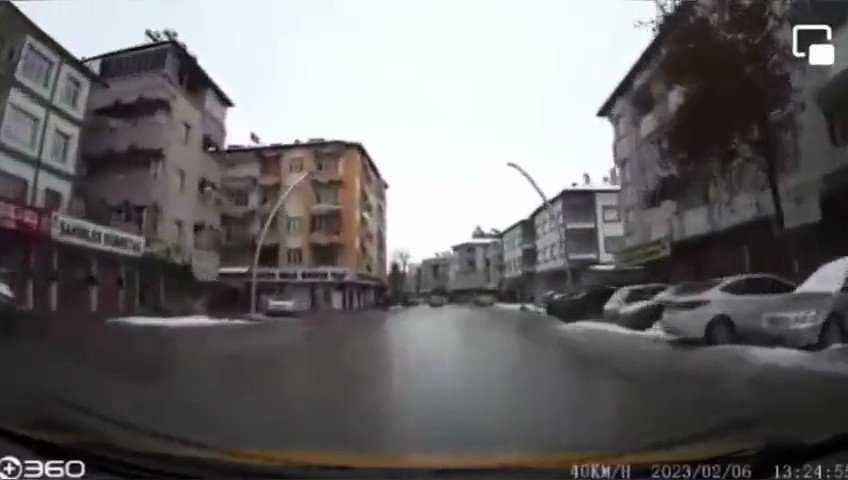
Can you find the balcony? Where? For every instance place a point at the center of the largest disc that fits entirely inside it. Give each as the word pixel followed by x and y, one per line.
pixel 140 107
pixel 269 179
pixel 326 238
pixel 326 176
pixel 365 219
pixel 322 207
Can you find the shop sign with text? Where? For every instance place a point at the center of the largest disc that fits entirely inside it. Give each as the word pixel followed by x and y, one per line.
pixel 75 231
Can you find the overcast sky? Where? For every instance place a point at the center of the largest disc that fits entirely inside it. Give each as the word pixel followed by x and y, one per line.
pixel 442 93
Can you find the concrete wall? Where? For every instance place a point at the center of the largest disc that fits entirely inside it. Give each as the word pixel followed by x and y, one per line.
pixel 183 153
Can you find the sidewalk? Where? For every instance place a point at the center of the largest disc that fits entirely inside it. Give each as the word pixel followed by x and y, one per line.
pixel 518 306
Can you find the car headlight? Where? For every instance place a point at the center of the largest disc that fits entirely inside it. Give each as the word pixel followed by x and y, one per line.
pixel 794 319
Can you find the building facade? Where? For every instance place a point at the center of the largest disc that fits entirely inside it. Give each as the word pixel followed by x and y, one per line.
pixel 724 225
pixel 241 201
pixel 590 226
pixel 326 248
pixel 43 95
pixel 435 274
pixel 150 151
pixel 519 254
pixel 470 268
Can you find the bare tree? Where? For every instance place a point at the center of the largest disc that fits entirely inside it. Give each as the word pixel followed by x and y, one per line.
pixel 401 257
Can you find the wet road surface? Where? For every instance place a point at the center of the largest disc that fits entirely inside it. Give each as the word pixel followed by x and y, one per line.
pixel 438 382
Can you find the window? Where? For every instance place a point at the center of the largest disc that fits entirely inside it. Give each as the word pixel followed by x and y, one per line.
pixel 293 225
pixel 294 256
pixel 327 195
pixel 36 66
pixel 71 92
pixel 155 165
pixel 178 225
pixel 52 199
pixel 296 164
pixel 181 176
pixel 59 148
pixel 186 132
pixel 21 127
pixel 758 286
pixel 611 214
pixel 327 164
pixel 13 187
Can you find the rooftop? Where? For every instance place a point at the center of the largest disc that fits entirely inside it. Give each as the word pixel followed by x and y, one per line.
pixel 475 242
pixel 310 143
pixel 579 188
pixel 186 56
pixel 52 42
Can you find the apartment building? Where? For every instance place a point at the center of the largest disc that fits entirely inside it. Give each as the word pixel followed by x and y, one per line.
pixel 591 226
pixel 719 226
pixel 326 248
pixel 519 258
pixel 150 151
pixel 495 265
pixel 470 270
pixel 241 201
pixel 435 274
pixel 43 95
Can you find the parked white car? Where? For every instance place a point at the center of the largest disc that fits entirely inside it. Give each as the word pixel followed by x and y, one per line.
pixel 723 310
pixel 815 314
pixel 282 307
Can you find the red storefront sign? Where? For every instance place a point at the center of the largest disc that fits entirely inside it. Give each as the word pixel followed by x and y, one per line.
pixel 14 216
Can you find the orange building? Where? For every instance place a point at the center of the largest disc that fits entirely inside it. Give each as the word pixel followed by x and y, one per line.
pixel 326 247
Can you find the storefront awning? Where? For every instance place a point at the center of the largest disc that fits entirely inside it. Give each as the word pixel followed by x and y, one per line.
pixel 641 254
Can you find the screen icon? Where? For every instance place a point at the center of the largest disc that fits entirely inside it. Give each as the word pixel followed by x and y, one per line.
pixel 821 54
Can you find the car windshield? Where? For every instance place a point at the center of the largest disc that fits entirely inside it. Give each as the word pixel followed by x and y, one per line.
pixel 829 278
pixel 305 239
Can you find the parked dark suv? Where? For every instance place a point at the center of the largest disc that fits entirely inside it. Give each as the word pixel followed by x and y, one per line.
pixel 585 304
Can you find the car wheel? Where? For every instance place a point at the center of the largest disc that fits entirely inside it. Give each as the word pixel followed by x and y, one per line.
pixel 721 331
pixel 831 333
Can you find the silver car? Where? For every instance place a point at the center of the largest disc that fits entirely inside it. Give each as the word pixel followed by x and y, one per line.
pixel 725 310
pixel 815 314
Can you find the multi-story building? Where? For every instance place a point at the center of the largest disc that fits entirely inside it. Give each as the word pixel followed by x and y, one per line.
pixel 495 264
pixel 686 235
pixel 241 201
pixel 412 279
pixel 326 248
pixel 591 226
pixel 150 147
pixel 519 257
pixel 470 271
pixel 435 274
pixel 43 95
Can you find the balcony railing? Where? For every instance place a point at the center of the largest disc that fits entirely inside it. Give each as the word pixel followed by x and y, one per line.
pixel 322 207
pixel 269 179
pixel 326 176
pixel 326 238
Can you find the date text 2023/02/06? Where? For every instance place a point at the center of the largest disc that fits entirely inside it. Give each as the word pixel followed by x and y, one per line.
pixel 665 471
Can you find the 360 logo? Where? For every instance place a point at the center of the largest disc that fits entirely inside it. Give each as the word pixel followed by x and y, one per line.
pixel 13 469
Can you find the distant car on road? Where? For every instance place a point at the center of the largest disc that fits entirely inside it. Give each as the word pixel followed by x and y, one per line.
pixel 484 300
pixel 584 304
pixel 437 301
pixel 282 307
pixel 634 306
pixel 721 311
pixel 814 314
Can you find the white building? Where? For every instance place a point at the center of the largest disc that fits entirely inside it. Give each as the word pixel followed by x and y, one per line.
pixel 470 270
pixel 697 223
pixel 591 227
pixel 519 258
pixel 43 97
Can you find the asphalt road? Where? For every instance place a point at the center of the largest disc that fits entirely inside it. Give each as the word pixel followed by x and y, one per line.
pixel 412 386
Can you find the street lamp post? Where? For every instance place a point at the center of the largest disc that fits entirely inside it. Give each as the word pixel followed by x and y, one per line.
pixel 558 221
pixel 261 239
